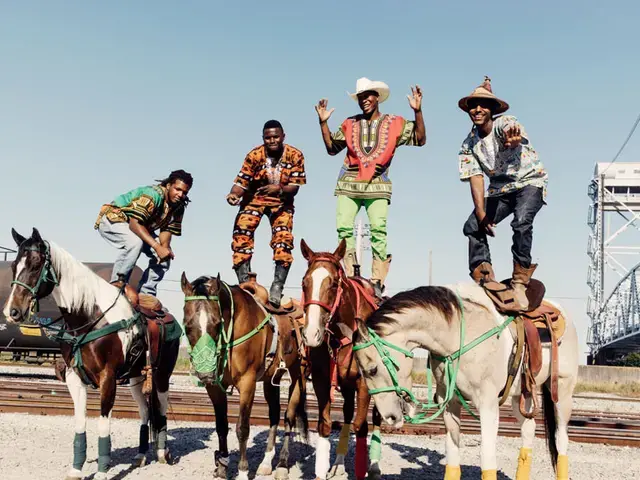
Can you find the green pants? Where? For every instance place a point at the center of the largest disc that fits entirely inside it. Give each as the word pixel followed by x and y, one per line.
pixel 377 209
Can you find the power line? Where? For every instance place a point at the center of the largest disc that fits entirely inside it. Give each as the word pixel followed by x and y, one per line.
pixel 635 125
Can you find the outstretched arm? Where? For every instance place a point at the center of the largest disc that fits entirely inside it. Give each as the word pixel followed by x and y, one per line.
pixel 415 102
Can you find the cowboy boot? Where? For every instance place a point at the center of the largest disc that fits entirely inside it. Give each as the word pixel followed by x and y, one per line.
pixel 519 282
pixel 349 262
pixel 279 278
pixel 242 271
pixel 483 273
pixel 379 272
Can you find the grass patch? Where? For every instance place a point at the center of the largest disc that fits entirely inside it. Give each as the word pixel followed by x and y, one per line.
pixel 624 389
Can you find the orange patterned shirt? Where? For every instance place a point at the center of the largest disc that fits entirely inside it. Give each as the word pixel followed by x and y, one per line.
pixel 259 170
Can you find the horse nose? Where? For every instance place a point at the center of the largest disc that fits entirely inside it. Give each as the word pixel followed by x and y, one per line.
pixel 392 419
pixel 14 313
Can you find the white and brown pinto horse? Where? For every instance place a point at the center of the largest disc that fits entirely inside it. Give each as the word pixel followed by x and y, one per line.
pixel 432 318
pixel 333 304
pixel 89 305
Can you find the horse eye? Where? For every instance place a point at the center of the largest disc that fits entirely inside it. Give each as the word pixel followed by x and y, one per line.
pixel 371 372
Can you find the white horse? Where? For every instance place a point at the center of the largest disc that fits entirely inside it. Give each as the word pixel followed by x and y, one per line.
pixel 431 318
pixel 88 302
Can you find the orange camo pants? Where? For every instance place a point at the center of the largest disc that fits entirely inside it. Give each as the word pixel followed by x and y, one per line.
pixel 246 223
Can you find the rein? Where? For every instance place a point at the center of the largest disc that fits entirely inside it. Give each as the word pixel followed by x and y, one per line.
pixel 382 346
pixel 212 355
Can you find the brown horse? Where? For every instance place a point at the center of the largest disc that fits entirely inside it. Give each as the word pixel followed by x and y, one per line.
pixel 333 303
pixel 235 341
pixel 104 339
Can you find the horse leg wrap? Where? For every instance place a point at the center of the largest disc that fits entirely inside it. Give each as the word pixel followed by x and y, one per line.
pixel 562 469
pixel 524 464
pixel 104 454
pixel 343 443
pixel 143 446
pixel 375 449
pixel 452 473
pixel 323 449
pixel 361 457
pixel 161 441
pixel 489 475
pixel 79 450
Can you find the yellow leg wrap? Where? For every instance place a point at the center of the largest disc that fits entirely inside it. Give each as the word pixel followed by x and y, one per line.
pixel 489 475
pixel 562 469
pixel 524 464
pixel 452 473
pixel 343 444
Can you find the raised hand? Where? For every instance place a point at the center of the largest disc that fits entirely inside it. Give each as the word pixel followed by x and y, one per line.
pixel 233 199
pixel 321 108
pixel 512 137
pixel 415 99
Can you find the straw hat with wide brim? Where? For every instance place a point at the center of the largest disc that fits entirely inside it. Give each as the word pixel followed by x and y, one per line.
pixel 484 91
pixel 364 84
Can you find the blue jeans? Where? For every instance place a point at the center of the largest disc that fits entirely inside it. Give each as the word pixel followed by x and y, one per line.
pixel 119 235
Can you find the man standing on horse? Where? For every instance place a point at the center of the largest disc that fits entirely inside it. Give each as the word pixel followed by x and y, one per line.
pixel 499 147
pixel 131 221
pixel 266 185
pixel 371 139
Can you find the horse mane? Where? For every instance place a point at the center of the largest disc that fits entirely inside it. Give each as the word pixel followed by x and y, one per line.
pixel 441 299
pixel 79 286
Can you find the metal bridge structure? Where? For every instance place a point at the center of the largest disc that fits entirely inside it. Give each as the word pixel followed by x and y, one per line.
pixel 614 260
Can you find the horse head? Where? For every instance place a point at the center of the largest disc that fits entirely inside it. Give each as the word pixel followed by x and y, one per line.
pixel 203 320
pixel 322 287
pixel 33 277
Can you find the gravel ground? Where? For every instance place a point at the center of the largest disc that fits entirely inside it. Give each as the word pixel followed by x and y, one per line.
pixel 40 447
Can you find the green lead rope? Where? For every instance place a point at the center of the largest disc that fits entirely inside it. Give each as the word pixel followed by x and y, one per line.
pixel 209 355
pixel 451 372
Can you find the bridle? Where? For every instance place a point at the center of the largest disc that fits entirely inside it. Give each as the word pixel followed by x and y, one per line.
pixel 47 276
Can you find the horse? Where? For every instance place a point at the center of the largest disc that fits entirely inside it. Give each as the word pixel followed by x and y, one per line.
pixel 235 341
pixel 333 303
pixel 103 340
pixel 441 319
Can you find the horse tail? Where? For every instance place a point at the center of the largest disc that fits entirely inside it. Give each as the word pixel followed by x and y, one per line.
pixel 550 424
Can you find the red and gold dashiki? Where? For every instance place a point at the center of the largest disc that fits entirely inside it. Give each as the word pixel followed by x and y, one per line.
pixel 370 150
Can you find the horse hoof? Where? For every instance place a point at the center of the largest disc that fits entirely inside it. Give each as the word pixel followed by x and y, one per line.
pixel 243 475
pixel 281 473
pixel 164 457
pixel 140 460
pixel 374 472
pixel 337 471
pixel 264 470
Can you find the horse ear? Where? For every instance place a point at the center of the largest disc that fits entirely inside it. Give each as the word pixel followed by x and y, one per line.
pixel 187 289
pixel 17 237
pixel 307 253
pixel 341 250
pixel 35 234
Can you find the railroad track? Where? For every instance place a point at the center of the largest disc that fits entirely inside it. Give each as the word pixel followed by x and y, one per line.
pixel 45 398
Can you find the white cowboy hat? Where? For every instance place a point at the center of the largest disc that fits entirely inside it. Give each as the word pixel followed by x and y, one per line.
pixel 364 84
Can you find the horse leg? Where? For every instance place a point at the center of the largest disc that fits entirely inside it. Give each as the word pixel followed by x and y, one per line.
pixel 361 427
pixel 527 434
pixel 107 399
pixel 272 396
pixel 136 392
pixel 451 417
pixel 221 456
pixel 348 394
pixel 247 389
pixel 296 401
pixel 321 386
pixel 159 401
pixel 78 392
pixel 489 417
pixel 375 448
pixel 557 423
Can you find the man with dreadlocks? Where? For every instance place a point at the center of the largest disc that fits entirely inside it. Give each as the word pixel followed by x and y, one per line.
pixel 130 222
pixel 266 185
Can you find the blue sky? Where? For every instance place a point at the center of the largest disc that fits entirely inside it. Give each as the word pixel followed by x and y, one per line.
pixel 97 99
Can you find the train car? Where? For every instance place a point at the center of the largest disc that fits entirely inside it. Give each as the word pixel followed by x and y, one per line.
pixel 31 344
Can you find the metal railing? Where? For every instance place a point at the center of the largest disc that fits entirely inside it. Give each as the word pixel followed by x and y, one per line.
pixel 5 252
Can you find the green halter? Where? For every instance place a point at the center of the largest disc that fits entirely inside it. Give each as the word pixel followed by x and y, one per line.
pixel 451 371
pixel 211 355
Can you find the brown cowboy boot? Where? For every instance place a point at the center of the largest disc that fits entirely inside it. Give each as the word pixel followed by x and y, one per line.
pixel 483 273
pixel 349 262
pixel 379 272
pixel 519 282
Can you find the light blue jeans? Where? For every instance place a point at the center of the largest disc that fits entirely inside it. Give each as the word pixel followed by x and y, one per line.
pixel 119 235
